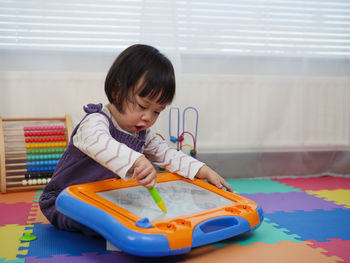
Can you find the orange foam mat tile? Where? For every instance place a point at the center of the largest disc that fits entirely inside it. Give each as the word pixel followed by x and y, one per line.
pixel 36 216
pixel 284 251
pixel 17 197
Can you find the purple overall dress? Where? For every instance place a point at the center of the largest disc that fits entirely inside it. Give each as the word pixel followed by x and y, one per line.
pixel 75 167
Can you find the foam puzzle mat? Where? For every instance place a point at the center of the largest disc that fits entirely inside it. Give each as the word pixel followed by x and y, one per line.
pixel 306 220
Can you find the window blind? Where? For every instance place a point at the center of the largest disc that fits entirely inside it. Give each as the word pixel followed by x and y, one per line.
pixel 315 28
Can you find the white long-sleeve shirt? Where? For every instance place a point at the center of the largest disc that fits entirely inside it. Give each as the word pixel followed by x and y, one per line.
pixel 94 139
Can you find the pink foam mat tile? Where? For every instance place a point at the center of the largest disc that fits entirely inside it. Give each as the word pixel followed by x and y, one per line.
pixel 14 213
pixel 334 247
pixel 316 183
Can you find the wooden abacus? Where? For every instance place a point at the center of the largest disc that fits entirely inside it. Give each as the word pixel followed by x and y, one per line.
pixel 30 148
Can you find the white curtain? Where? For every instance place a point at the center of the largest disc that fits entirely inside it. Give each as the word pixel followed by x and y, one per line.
pixel 270 78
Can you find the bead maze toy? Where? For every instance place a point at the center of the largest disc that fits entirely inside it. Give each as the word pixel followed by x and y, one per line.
pixel 179 139
pixel 30 149
pixel 123 212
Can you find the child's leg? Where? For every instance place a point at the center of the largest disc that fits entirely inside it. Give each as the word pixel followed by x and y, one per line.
pixel 63 222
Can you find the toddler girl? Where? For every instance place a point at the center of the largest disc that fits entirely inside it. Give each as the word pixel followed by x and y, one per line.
pixel 116 141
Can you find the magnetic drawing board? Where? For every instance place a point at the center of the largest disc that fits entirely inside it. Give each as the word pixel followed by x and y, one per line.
pixel 180 197
pixel 126 215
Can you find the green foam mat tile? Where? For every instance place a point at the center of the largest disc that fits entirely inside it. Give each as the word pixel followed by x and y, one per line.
pixel 254 186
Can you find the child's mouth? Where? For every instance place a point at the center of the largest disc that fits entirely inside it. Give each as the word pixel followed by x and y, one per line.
pixel 138 128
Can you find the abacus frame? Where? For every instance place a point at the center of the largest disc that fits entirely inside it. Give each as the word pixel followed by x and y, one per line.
pixel 6 186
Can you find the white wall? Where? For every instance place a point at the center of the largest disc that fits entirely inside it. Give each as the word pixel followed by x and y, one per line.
pixel 237 113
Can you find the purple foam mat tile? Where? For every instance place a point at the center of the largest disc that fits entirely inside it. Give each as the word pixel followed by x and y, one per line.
pixel 290 202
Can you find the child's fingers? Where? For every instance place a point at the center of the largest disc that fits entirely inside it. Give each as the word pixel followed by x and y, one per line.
pixel 146 177
pixel 215 181
pixel 148 181
pixel 227 186
pixel 140 164
pixel 220 182
pixel 139 170
pixel 142 173
pixel 223 183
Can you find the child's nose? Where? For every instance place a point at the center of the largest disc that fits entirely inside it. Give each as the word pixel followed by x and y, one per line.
pixel 147 116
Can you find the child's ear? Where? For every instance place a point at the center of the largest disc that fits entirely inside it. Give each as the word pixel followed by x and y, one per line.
pixel 113 95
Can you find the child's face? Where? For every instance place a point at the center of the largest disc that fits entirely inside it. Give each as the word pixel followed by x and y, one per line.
pixel 140 115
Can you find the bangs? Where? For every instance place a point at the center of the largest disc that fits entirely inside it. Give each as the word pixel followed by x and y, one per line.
pixel 160 86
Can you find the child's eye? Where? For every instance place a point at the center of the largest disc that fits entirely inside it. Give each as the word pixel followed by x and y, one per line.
pixel 142 107
pixel 157 112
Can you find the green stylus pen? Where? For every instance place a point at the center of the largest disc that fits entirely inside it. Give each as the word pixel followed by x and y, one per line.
pixel 159 201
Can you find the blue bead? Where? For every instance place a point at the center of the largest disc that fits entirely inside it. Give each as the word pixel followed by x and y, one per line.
pixel 173 139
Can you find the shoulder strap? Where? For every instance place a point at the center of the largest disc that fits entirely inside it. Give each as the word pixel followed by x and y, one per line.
pixel 131 141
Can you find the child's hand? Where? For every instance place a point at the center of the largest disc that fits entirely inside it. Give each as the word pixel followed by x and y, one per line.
pixel 144 172
pixel 206 173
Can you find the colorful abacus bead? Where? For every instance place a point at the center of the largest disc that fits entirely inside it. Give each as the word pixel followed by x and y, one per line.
pixel 46 133
pixel 46 150
pixel 41 169
pixel 37 178
pixel 46 139
pixel 44 128
pixel 46 145
pixel 42 163
pixel 44 157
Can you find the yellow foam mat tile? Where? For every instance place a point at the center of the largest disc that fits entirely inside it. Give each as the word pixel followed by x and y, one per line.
pixel 340 196
pixel 10 243
pixel 284 251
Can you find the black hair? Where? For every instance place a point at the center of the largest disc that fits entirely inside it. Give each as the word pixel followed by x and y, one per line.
pixel 140 62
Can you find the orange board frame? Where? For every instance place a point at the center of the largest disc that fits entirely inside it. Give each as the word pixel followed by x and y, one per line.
pixel 139 236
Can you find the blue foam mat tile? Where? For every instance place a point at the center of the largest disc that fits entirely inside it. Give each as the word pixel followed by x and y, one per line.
pixel 106 258
pixel 51 241
pixel 316 225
